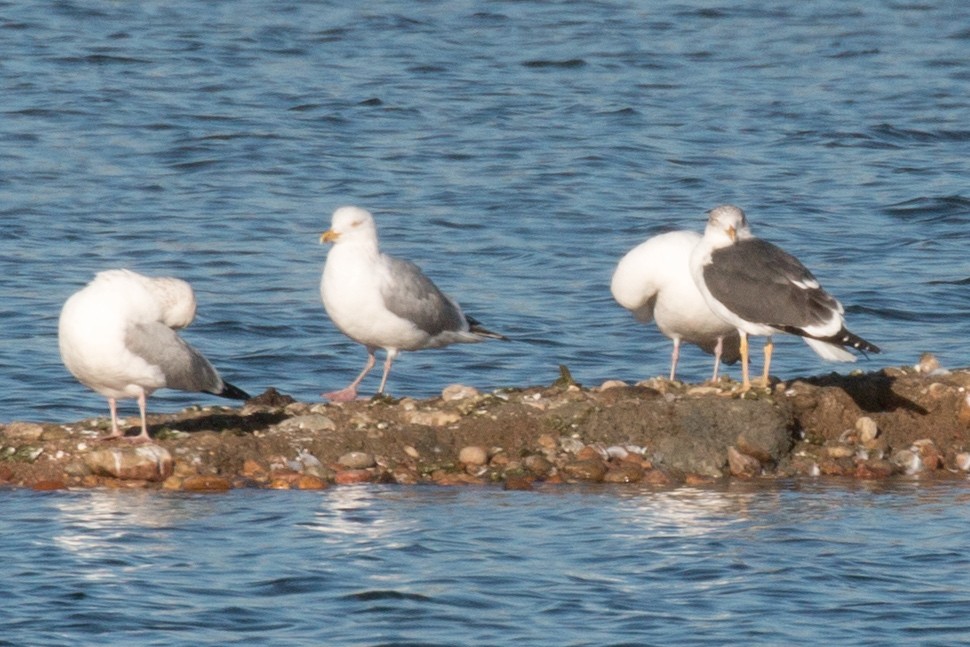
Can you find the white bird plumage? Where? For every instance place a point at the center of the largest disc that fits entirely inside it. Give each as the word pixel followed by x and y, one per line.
pixel 653 281
pixel 117 336
pixel 384 302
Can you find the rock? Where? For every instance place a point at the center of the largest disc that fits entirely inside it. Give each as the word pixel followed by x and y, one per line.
pixel 434 418
pixel 907 461
pixel 537 465
pixel 612 384
pixel 593 469
pixel 411 451
pixel 742 465
pixel 873 469
pixel 23 431
pixel 352 476
pixel 624 472
pixel 866 429
pixel 962 461
pixel 839 451
pixel 141 462
pixel 310 482
pixel 767 443
pixel 473 455
pixel 458 392
pixel 357 460
pixel 207 483
pixel 307 422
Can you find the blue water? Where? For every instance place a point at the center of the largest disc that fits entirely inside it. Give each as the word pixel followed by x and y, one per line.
pixel 746 564
pixel 515 150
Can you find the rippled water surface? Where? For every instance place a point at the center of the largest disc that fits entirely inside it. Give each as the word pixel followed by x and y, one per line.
pixel 515 150
pixel 465 566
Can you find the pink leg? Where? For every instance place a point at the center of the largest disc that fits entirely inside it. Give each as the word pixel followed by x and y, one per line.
pixel 391 354
pixel 143 437
pixel 115 432
pixel 717 357
pixel 350 392
pixel 674 356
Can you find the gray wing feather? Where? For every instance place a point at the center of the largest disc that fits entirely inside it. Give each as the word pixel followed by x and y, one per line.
pixel 411 295
pixel 184 367
pixel 758 281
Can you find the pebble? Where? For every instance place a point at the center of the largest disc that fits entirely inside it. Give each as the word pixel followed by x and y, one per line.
pixel 867 429
pixel 207 483
pixel 962 461
pixel 458 392
pixel 907 461
pixel 473 455
pixel 436 418
pixel 742 465
pixel 592 469
pixel 352 476
pixel 537 465
pixel 141 462
pixel 26 431
pixel 412 452
pixel 612 384
pixel 623 473
pixel 307 422
pixel 357 460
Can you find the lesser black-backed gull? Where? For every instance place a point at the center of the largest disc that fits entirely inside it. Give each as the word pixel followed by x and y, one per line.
pixel 653 281
pixel 385 302
pixel 117 336
pixel 763 290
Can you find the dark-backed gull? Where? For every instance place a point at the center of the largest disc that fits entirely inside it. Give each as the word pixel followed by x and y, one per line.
pixel 763 290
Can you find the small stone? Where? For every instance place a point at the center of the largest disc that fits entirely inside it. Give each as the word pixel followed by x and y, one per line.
pixel 612 384
pixel 839 451
pixel 742 465
pixel 546 441
pixel 473 455
pixel 571 445
pixel 412 452
pixel 962 461
pixel 309 482
pixel 357 460
pixel 251 468
pixel 873 469
pixel 206 483
pixel 142 462
pixel 907 461
pixel 588 453
pixel 434 418
pixel 307 422
pixel 24 431
pixel 47 485
pixel 586 470
pixel 929 454
pixel 867 429
pixel 352 476
pixel 623 473
pixel 459 392
pixel 537 465
pixel 765 443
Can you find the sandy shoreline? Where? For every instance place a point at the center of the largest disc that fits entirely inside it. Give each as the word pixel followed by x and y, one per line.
pixel 890 423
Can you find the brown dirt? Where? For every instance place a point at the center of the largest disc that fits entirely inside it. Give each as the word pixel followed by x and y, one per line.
pixel 656 432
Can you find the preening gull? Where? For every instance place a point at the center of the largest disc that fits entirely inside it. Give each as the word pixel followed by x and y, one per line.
pixel 117 336
pixel 385 302
pixel 763 290
pixel 653 281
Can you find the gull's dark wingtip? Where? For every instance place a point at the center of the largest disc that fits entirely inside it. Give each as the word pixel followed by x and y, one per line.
pixel 233 392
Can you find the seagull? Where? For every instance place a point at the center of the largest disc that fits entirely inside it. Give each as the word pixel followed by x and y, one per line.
pixel 653 281
pixel 117 336
pixel 763 290
pixel 385 302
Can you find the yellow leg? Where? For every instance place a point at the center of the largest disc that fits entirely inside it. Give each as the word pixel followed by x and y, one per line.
pixel 745 382
pixel 769 346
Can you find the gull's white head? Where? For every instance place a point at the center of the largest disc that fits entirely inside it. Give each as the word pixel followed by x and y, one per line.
pixel 726 225
pixel 350 223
